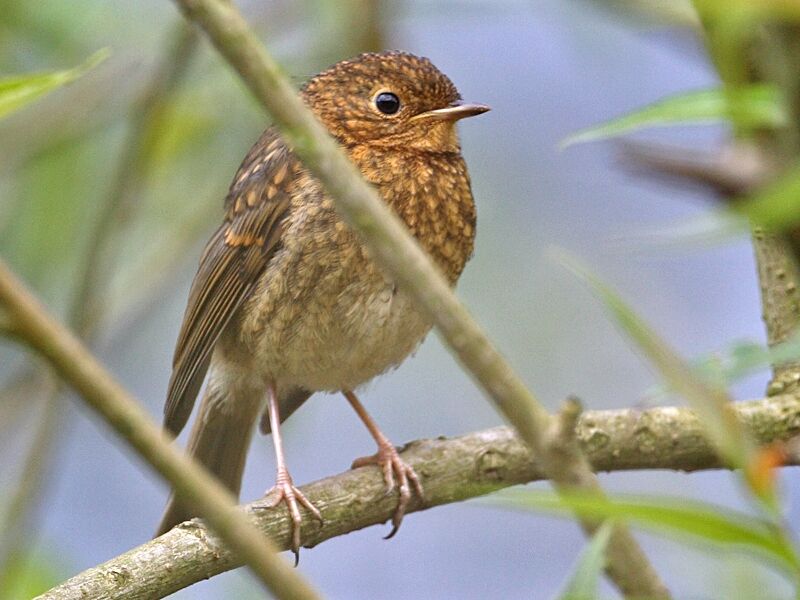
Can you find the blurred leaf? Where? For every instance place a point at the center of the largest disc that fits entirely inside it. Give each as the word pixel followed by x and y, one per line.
pixel 711 403
pixel 176 127
pixel 745 579
pixel 29 576
pixel 755 11
pixel 777 205
pixel 670 516
pixel 752 106
pixel 744 358
pixel 47 231
pixel 18 90
pixel 583 584
pixel 739 360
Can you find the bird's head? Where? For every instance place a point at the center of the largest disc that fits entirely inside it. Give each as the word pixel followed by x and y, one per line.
pixel 391 99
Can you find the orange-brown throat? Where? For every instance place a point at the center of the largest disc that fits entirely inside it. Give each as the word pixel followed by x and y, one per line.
pixel 431 192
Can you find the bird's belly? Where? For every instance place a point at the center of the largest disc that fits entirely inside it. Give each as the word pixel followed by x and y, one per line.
pixel 340 334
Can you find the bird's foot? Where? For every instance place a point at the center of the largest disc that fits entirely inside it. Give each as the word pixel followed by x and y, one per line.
pixel 285 491
pixel 398 475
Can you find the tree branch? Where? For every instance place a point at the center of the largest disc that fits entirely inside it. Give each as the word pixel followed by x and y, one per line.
pixel 395 250
pixel 452 470
pixel 191 482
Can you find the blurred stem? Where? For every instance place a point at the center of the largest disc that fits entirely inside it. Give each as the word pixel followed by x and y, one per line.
pixel 452 470
pixel 400 256
pixel 16 536
pixel 145 122
pixel 347 27
pixel 92 281
pixel 368 24
pixel 191 482
pixel 155 267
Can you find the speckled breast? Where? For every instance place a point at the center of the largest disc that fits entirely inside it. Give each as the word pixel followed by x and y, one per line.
pixel 325 316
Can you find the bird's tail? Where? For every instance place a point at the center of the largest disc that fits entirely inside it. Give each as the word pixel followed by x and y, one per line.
pixel 220 438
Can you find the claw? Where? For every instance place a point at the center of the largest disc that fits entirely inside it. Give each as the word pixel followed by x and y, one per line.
pixel 285 491
pixel 396 474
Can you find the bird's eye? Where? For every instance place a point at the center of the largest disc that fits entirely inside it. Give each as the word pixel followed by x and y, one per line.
pixel 387 102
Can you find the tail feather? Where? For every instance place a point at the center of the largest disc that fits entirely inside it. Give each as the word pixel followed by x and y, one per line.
pixel 219 439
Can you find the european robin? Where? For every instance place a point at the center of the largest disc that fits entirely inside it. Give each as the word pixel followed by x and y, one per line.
pixel 287 302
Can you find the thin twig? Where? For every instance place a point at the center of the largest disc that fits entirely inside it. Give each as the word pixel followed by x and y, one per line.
pixel 191 482
pixel 452 470
pixel 388 240
pixel 733 170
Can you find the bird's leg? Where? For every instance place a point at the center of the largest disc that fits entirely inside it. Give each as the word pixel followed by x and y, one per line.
pixel 284 489
pixel 396 473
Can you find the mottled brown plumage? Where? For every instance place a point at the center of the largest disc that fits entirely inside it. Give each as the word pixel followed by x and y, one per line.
pixel 286 301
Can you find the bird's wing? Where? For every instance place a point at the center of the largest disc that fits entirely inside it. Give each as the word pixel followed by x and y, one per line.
pixel 230 266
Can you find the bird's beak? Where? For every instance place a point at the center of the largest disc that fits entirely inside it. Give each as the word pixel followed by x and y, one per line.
pixel 454 112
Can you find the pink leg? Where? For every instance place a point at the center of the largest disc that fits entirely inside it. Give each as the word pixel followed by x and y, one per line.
pixel 396 473
pixel 284 489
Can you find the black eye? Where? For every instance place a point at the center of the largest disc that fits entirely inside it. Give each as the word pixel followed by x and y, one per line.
pixel 387 102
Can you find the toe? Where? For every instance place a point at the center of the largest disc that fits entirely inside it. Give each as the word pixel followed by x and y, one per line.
pixel 301 497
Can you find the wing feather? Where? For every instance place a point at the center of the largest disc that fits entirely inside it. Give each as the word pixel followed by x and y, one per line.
pixel 230 267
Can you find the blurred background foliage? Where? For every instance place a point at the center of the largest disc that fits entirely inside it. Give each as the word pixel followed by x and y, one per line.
pixel 110 186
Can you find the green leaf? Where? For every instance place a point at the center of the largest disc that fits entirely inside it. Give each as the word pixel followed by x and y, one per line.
pixel 738 360
pixel 744 358
pixel 755 12
pixel 749 107
pixel 583 584
pixel 710 402
pixel 777 205
pixel 30 575
pixel 684 519
pixel 18 90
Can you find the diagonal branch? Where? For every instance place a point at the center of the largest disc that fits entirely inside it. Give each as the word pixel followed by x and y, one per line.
pixel 452 470
pixel 76 365
pixel 90 290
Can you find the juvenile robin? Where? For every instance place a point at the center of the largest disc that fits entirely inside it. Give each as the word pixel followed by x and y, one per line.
pixel 287 302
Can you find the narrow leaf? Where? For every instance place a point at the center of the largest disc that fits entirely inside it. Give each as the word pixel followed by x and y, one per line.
pixel 583 584
pixel 743 359
pixel 711 403
pixel 669 516
pixel 18 90
pixel 751 106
